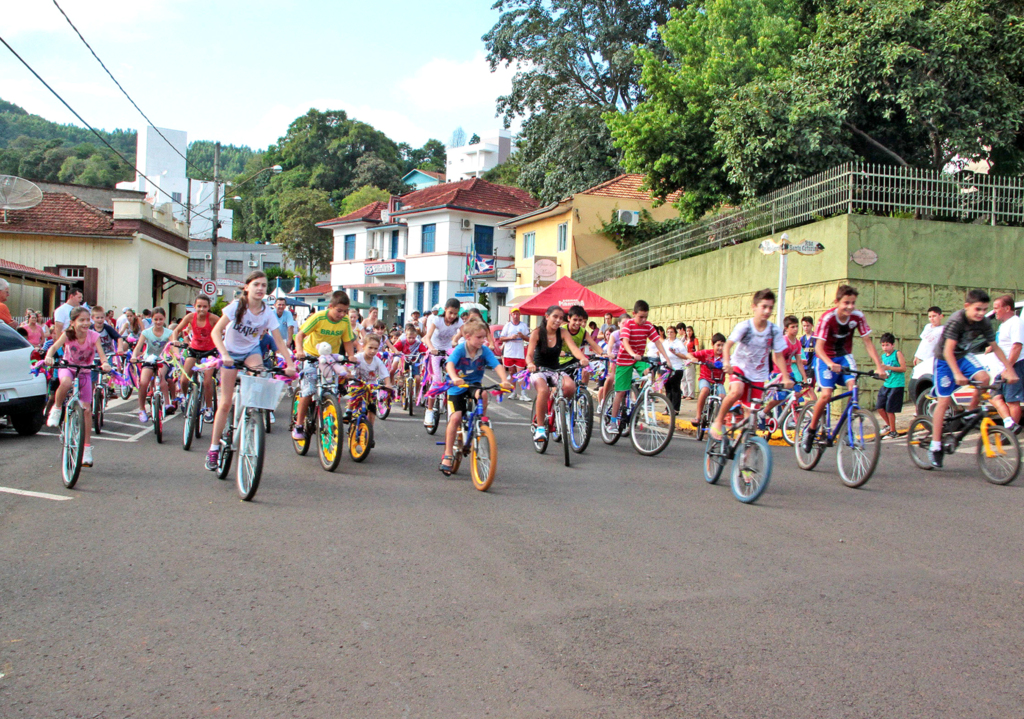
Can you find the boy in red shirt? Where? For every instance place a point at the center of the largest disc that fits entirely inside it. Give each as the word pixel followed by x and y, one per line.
pixel 712 379
pixel 633 336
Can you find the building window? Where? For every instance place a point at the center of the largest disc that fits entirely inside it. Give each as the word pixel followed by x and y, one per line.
pixel 419 297
pixel 394 245
pixel 233 267
pixel 428 238
pixel 563 237
pixel 483 239
pixel 196 265
pixel 528 239
pixel 176 197
pixel 350 247
pixel 435 294
pixel 267 264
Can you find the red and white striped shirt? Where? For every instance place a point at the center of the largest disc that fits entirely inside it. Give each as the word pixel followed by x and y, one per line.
pixel 636 335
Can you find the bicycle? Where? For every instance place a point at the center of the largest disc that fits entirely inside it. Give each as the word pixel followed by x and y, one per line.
pixel 129 372
pixel 72 427
pixel 324 416
pixel 649 417
pixel 749 452
pixel 998 447
pixel 475 438
pixel 195 418
pixel 100 392
pixel 581 414
pixel 440 400
pixel 360 431
pixel 714 400
pixel 556 418
pixel 244 431
pixel 783 416
pixel 859 445
pixel 155 397
pixel 411 369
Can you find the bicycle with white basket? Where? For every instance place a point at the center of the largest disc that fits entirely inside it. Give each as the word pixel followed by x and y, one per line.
pixel 257 392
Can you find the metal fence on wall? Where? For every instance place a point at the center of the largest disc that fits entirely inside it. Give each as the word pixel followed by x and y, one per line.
pixel 849 188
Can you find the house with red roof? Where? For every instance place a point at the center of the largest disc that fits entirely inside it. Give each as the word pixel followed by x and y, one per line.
pixel 422 248
pixel 554 240
pixel 132 255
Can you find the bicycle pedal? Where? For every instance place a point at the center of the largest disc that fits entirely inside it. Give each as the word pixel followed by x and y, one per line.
pixel 439 444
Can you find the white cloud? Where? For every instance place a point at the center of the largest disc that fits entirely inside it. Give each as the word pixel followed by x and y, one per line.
pixel 468 85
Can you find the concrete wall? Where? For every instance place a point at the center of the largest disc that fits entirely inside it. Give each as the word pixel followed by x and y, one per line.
pixel 919 264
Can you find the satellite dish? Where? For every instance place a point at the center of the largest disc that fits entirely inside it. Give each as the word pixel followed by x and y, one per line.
pixel 17 193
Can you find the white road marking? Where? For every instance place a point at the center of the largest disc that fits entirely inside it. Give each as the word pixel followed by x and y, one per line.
pixel 40 495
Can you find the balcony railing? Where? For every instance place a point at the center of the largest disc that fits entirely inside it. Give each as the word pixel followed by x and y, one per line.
pixel 850 188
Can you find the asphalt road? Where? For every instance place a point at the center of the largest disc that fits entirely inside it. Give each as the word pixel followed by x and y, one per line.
pixel 624 586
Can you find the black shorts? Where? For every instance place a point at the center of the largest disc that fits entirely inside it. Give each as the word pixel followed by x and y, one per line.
pixel 890 399
pixel 457 402
pixel 200 355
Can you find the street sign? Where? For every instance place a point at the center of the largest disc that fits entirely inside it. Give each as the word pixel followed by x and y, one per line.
pixel 209 288
pixel 807 247
pixel 768 247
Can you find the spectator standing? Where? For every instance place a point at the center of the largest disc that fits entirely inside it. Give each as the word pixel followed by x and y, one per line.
pixel 676 357
pixel 147 318
pixel 34 332
pixel 692 345
pixel 1010 338
pixel 607 328
pixel 285 320
pixel 5 313
pixel 62 315
pixel 514 335
pixel 929 336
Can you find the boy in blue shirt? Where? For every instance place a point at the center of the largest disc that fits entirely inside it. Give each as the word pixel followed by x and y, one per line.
pixel 466 365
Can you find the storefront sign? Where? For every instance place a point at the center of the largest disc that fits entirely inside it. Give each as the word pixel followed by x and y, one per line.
pixel 392 267
pixel 545 271
pixel 506 274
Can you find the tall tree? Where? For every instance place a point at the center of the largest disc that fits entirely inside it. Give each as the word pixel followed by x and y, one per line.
pixel 302 241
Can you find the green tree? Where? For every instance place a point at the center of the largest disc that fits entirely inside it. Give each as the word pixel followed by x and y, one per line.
pixel 303 242
pixel 432 156
pixel 363 197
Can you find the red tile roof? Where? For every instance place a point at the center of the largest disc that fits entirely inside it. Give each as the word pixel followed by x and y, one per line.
pixel 366 213
pixel 627 187
pixel 439 176
pixel 473 194
pixel 62 214
pixel 15 267
pixel 314 290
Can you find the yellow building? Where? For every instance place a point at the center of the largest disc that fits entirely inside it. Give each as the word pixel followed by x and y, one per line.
pixel 568 232
pixel 135 256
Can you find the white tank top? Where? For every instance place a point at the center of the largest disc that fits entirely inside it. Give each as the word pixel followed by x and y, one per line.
pixel 444 334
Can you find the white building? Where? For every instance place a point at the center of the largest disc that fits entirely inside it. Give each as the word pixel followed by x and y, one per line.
pixel 413 253
pixel 166 170
pixel 470 161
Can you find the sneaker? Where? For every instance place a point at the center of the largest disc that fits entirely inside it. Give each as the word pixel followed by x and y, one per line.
pixel 428 418
pixel 169 410
pixel 885 430
pixel 212 458
pixel 143 417
pixel 892 435
pixel 297 434
pixel 208 415
pixel 87 456
pixel 54 419
pixel 807 443
pixel 937 459
pixel 273 419
pixel 540 434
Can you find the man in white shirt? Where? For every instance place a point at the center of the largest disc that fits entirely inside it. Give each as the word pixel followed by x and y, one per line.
pixel 121 325
pixel 514 336
pixel 1010 338
pixel 929 336
pixel 62 315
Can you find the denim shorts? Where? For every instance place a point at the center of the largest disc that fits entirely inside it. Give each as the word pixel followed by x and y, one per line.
pixel 719 389
pixel 1015 392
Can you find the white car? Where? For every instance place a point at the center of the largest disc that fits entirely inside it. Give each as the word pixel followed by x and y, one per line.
pixel 22 394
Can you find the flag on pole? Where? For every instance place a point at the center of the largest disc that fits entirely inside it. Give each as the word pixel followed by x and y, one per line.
pixel 484 265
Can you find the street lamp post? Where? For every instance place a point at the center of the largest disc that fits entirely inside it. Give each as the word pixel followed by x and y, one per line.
pixel 784 247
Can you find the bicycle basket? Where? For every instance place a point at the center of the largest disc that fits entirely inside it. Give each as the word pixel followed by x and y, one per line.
pixel 260 392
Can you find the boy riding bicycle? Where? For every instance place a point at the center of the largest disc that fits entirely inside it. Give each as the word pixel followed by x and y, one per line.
pixel 712 378
pixel 633 337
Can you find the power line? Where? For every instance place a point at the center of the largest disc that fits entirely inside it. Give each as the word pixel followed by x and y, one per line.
pixel 92 129
pixel 123 91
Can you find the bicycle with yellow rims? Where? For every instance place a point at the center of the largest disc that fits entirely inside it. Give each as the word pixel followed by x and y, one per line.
pixel 323 418
pixel 361 397
pixel 475 438
pixel 998 447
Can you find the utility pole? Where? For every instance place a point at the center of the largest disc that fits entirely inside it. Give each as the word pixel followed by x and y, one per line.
pixel 188 207
pixel 216 202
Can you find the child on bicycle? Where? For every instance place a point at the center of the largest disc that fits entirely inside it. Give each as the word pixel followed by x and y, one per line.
pixel 793 361
pixel 81 345
pixel 441 332
pixel 833 352
pixel 611 351
pixel 237 336
pixel 711 377
pixel 633 336
pixel 370 368
pixel 576 326
pixel 333 326
pixel 199 325
pixel 407 347
pixel 757 342
pixel 154 339
pixel 465 366
pixel 890 397
pixel 966 332
pixel 547 343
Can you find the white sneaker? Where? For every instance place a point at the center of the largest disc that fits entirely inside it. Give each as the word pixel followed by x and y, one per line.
pixel 273 419
pixel 428 418
pixel 87 456
pixel 539 434
pixel 54 419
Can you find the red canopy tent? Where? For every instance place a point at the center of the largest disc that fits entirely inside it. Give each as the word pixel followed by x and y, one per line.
pixel 565 293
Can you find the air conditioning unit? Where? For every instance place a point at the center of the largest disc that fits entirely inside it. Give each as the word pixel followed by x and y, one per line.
pixel 371 254
pixel 207 256
pixel 628 217
pixel 467 224
pixel 220 293
pixel 253 263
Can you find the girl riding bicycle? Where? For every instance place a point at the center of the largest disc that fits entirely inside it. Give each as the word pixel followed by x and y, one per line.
pixel 546 345
pixel 237 337
pixel 154 339
pixel 441 331
pixel 81 345
pixel 199 326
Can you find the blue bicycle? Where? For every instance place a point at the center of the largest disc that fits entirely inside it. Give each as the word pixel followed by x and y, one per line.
pixel 855 433
pixel 475 438
pixel 581 414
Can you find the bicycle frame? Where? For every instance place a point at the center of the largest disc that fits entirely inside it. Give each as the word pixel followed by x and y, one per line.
pixel 832 434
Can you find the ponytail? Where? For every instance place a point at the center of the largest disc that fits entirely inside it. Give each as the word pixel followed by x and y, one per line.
pixel 75 313
pixel 243 301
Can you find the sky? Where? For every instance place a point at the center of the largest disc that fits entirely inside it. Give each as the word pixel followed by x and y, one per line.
pixel 240 72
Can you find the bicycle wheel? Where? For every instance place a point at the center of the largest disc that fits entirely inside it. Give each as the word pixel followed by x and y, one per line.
pixel 251 443
pixel 919 438
pixel 98 400
pixel 653 424
pixel 360 438
pixel 439 403
pixel 457 450
pixel 751 469
pixel 581 415
pixel 807 460
pixel 609 435
pixel 562 423
pixel 73 436
pixel 188 432
pixel 383 405
pixel 410 395
pixel 224 462
pixel 157 407
pixel 860 444
pixel 707 415
pixel 124 391
pixel 483 457
pixel 267 426
pixel 998 454
pixel 301 446
pixel 787 423
pixel 715 458
pixel 329 446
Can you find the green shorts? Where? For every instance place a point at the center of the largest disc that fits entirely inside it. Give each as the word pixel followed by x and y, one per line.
pixel 624 375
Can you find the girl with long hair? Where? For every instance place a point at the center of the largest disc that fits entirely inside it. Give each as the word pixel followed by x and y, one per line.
pixel 546 344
